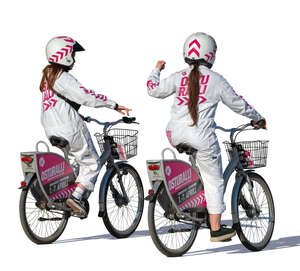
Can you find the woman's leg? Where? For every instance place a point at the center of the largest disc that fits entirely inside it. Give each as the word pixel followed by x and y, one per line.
pixel 210 166
pixel 83 149
pixel 84 152
pixel 215 221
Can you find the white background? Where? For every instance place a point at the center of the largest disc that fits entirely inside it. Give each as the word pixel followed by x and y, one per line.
pixel 258 53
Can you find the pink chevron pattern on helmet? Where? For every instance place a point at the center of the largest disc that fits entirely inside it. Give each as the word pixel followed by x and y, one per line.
pixel 210 55
pixel 65 38
pixel 194 49
pixel 63 51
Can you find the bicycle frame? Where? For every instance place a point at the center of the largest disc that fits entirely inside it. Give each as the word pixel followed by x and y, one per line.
pixel 62 183
pixel 111 165
pixel 158 177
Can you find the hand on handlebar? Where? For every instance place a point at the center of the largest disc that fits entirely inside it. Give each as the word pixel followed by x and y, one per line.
pixel 128 120
pixel 259 124
pixel 87 119
pixel 121 108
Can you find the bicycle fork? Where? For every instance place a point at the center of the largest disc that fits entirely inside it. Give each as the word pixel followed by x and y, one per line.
pixel 247 206
pixel 251 208
pixel 121 199
pixel 250 189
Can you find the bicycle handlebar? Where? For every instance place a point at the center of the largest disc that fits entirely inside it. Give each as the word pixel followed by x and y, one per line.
pixel 128 120
pixel 124 119
pixel 107 124
pixel 261 124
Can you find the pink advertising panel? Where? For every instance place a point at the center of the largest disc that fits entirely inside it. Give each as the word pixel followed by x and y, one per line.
pixel 56 175
pixel 184 185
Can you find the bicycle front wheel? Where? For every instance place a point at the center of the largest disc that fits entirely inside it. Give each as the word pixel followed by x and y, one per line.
pixel 255 226
pixel 41 224
pixel 171 236
pixel 122 215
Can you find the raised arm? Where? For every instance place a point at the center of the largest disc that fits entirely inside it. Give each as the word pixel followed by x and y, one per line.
pixel 160 89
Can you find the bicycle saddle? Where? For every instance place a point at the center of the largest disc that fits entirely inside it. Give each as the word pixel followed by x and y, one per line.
pixel 185 148
pixel 58 142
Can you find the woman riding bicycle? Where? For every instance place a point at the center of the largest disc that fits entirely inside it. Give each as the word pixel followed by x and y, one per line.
pixel 62 95
pixel 198 90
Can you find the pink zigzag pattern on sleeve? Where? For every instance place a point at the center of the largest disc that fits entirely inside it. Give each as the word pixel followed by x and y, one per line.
pixel 91 92
pixel 151 85
pixel 251 107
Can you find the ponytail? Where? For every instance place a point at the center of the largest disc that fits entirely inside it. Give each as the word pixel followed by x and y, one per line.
pixel 193 90
pixel 50 74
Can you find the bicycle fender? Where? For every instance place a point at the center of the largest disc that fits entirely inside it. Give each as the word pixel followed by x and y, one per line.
pixel 103 185
pixel 234 197
pixel 27 180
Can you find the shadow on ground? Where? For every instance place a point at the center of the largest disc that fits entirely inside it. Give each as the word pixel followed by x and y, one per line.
pixel 103 236
pixel 281 243
pixel 110 237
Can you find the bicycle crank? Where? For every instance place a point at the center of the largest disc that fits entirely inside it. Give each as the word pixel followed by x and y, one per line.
pixel 172 230
pixel 50 219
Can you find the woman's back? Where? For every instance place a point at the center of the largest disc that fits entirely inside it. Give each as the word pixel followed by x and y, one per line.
pixel 213 88
pixel 208 95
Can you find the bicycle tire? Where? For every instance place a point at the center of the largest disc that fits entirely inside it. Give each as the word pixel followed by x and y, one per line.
pixel 258 222
pixel 155 210
pixel 31 215
pixel 127 225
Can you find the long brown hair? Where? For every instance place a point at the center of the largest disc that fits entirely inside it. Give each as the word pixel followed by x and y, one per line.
pixel 50 74
pixel 193 90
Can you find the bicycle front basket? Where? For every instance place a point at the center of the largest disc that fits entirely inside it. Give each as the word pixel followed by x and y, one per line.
pixel 126 140
pixel 252 154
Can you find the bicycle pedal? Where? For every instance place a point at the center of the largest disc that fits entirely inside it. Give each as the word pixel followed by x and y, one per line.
pixel 227 240
pixel 79 215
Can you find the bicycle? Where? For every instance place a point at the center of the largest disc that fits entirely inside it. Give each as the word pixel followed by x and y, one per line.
pixel 50 180
pixel 177 205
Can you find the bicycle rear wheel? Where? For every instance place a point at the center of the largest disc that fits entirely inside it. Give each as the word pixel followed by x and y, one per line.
pixel 121 216
pixel 255 227
pixel 171 236
pixel 40 224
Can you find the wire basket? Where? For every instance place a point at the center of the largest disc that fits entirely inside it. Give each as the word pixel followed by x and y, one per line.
pixel 252 154
pixel 125 139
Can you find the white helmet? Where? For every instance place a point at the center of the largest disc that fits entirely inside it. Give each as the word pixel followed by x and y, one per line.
pixel 200 46
pixel 59 50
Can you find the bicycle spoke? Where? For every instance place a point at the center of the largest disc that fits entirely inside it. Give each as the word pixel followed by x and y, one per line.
pixel 33 213
pixel 123 217
pixel 255 228
pixel 171 233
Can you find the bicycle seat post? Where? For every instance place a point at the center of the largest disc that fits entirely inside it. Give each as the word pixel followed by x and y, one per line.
pixel 64 150
pixel 192 159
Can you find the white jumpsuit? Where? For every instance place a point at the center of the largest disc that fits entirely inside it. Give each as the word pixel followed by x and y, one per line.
pixel 60 119
pixel 213 89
